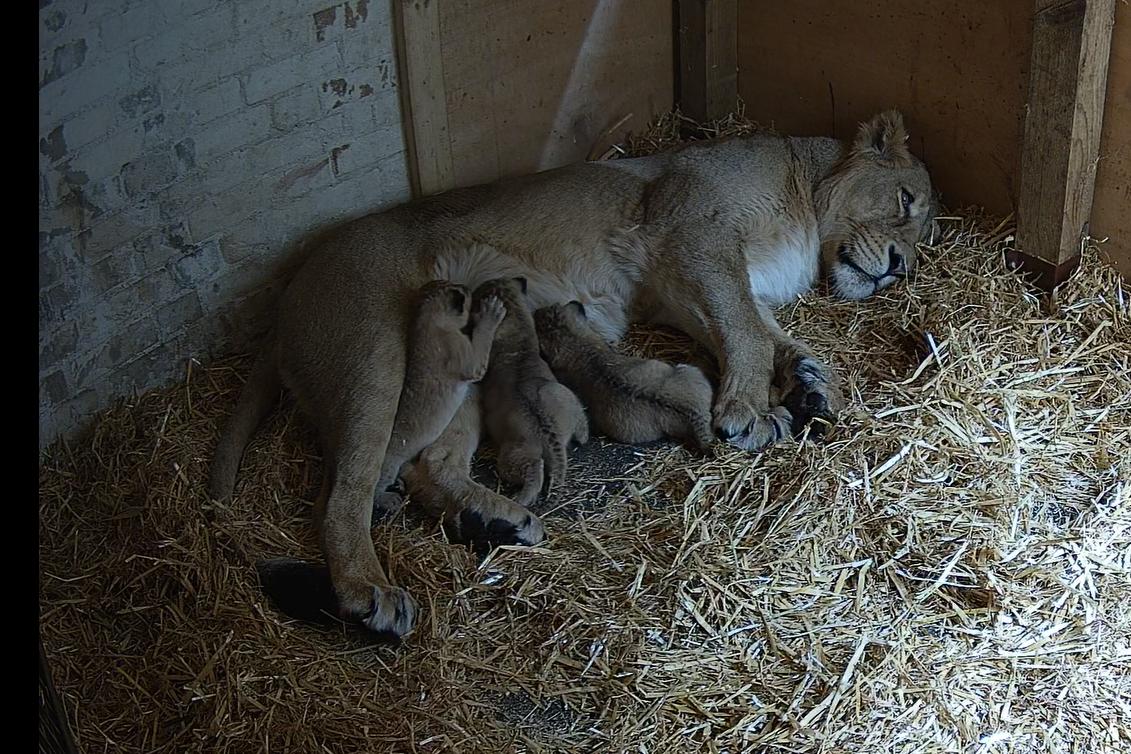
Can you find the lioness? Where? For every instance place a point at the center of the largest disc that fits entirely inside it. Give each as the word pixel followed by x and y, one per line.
pixel 631 400
pixel 706 238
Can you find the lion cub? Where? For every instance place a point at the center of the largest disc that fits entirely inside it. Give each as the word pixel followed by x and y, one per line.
pixel 631 400
pixel 530 416
pixel 442 362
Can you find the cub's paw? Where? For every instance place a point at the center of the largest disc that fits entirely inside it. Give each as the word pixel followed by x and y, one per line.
pixel 738 423
pixel 493 523
pixel 392 614
pixel 385 504
pixel 812 400
pixel 491 312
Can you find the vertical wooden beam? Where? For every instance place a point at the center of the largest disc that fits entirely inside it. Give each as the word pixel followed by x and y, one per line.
pixel 708 58
pixel 423 96
pixel 1064 117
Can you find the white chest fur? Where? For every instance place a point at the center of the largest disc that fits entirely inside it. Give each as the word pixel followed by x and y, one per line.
pixel 783 265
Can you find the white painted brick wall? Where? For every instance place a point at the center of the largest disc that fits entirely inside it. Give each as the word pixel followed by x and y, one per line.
pixel 188 148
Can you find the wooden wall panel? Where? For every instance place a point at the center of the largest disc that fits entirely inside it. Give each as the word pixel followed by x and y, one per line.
pixel 957 70
pixel 1111 208
pixel 532 85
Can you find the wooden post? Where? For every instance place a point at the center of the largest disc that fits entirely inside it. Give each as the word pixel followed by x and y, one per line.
pixel 1064 116
pixel 708 58
pixel 423 96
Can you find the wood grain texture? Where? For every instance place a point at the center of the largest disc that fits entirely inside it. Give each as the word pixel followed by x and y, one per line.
pixel 957 70
pixel 1111 207
pixel 1068 85
pixel 423 92
pixel 708 58
pixel 534 85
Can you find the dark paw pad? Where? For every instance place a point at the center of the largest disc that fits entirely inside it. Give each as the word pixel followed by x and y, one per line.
pixel 391 616
pixel 482 536
pixel 809 408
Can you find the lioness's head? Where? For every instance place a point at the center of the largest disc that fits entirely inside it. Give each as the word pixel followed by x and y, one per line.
pixel 875 206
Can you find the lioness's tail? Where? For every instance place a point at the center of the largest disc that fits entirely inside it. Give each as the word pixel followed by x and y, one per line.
pixel 256 399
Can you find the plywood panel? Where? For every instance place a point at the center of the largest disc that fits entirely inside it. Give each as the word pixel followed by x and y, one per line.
pixel 958 71
pixel 1111 217
pixel 532 85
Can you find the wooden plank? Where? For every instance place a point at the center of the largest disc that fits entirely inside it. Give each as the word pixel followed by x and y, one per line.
pixel 534 85
pixel 424 97
pixel 708 52
pixel 958 71
pixel 1063 123
pixel 1111 216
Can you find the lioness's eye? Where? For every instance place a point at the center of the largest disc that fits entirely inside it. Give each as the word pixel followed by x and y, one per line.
pixel 906 200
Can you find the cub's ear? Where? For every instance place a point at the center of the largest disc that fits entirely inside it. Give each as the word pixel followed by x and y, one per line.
pixel 577 307
pixel 521 283
pixel 457 298
pixel 884 139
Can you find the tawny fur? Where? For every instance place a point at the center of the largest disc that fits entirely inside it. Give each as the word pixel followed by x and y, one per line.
pixel 440 480
pixel 706 238
pixel 629 399
pixel 531 417
pixel 443 361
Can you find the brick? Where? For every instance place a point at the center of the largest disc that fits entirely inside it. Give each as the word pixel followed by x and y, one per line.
pixel 141 101
pixel 160 287
pixel 54 388
pixel 182 9
pixel 64 59
pixel 368 150
pixel 231 132
pixel 149 173
pixel 69 94
pixel 104 159
pixel 179 312
pixel 159 248
pixel 127 343
pixel 53 146
pixel 252 15
pixel 294 149
pixel 87 126
pixel 200 263
pixel 58 346
pixel 326 26
pixel 296 108
pixel 229 208
pixel 120 29
pixel 217 101
pixel 308 68
pixel 119 267
pixel 111 231
pixel 182 42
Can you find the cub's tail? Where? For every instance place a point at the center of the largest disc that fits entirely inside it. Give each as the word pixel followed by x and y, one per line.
pixel 257 398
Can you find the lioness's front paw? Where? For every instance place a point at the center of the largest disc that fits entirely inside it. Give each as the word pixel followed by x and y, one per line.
pixel 492 524
pixel 738 423
pixel 391 615
pixel 813 400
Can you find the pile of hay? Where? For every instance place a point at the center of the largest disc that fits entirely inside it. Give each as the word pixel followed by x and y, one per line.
pixel 950 571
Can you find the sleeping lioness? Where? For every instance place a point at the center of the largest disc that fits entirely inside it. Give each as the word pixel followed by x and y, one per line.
pixel 706 238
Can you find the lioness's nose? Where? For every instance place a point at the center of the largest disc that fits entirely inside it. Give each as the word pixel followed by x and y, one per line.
pixel 895 261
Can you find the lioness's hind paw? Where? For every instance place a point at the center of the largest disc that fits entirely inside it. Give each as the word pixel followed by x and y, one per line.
pixel 392 615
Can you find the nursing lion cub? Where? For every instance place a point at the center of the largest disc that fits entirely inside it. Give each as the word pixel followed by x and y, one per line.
pixel 706 238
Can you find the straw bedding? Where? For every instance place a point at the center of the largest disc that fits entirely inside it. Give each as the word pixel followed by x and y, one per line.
pixel 949 571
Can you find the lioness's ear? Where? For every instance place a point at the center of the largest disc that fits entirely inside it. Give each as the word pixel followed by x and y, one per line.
pixel 521 283
pixel 884 139
pixel 577 307
pixel 458 298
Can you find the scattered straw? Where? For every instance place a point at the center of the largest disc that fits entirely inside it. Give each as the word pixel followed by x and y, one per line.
pixel 949 572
